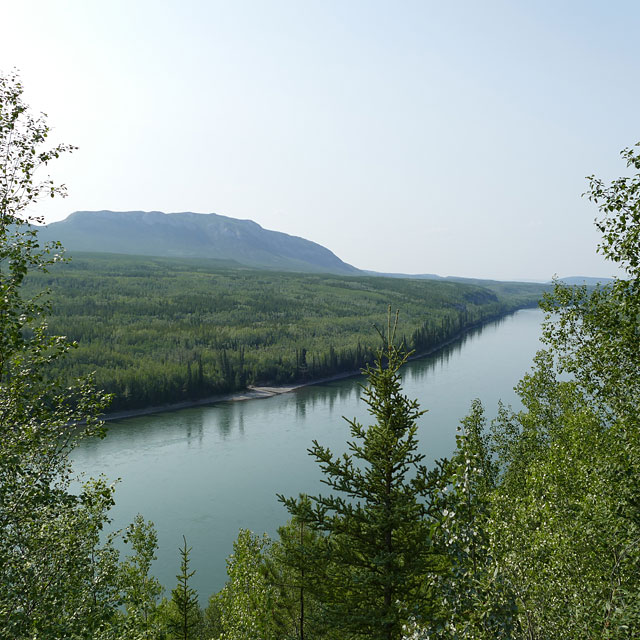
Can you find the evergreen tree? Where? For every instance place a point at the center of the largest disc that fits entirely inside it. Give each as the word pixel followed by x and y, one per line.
pixel 291 567
pixel 184 612
pixel 377 546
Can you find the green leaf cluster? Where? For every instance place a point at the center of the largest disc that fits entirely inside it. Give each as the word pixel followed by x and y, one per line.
pixel 550 520
pixel 60 575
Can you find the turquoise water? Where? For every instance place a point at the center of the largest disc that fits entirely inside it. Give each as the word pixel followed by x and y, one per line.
pixel 205 472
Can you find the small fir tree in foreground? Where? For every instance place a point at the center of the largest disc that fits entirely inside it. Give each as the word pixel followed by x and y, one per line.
pixel 377 550
pixel 293 569
pixel 184 618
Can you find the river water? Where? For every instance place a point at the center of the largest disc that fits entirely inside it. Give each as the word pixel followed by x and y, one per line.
pixel 208 471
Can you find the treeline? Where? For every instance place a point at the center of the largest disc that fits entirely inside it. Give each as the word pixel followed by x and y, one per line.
pixel 157 330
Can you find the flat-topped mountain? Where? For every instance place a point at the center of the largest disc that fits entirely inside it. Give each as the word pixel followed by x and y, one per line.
pixel 192 235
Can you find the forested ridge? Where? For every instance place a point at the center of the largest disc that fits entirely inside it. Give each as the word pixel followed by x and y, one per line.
pixel 157 330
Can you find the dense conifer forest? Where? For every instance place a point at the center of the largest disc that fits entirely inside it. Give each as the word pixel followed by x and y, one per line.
pixel 157 330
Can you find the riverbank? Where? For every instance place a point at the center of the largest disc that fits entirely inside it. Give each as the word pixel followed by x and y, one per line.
pixel 259 392
pixel 250 393
pixel 208 471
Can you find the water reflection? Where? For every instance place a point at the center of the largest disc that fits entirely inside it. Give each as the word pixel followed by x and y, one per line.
pixel 206 471
pixel 223 422
pixel 423 365
pixel 301 408
pixel 231 420
pixel 241 422
pixel 194 426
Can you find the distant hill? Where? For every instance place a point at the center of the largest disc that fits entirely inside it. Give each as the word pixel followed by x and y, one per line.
pixel 406 276
pixel 192 235
pixel 230 242
pixel 580 280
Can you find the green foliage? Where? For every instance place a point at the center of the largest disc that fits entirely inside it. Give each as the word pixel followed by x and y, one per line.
pixel 212 619
pixel 140 590
pixel 474 600
pixel 377 549
pixel 244 608
pixel 559 527
pixel 619 203
pixel 60 577
pixel 184 618
pixel 55 574
pixel 596 335
pixel 565 522
pixel 547 543
pixel 159 330
pixel 294 568
pixel 275 588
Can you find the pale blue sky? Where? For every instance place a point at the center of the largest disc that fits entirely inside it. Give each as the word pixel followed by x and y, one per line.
pixel 417 137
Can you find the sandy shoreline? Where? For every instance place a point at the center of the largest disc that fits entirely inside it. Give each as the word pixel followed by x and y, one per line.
pixel 254 393
pixel 250 393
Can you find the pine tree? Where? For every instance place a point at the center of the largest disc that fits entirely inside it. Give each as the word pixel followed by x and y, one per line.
pixel 291 568
pixel 377 544
pixel 184 612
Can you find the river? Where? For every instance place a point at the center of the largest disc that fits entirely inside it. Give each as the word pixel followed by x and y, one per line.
pixel 207 471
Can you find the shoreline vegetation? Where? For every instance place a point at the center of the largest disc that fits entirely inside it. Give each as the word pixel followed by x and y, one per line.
pixel 269 391
pixel 162 333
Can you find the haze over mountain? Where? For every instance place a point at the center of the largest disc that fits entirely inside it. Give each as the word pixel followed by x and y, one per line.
pixel 582 280
pixel 192 235
pixel 213 236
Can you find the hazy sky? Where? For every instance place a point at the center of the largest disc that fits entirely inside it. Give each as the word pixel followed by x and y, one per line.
pixel 417 137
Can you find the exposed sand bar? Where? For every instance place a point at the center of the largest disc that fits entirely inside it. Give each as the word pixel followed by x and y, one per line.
pixel 250 393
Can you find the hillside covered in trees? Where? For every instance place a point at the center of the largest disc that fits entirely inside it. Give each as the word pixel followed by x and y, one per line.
pixel 159 330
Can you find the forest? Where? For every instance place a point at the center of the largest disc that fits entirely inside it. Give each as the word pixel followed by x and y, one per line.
pixel 161 330
pixel 530 530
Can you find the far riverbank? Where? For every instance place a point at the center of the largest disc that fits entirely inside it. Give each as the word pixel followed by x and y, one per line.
pixel 259 392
